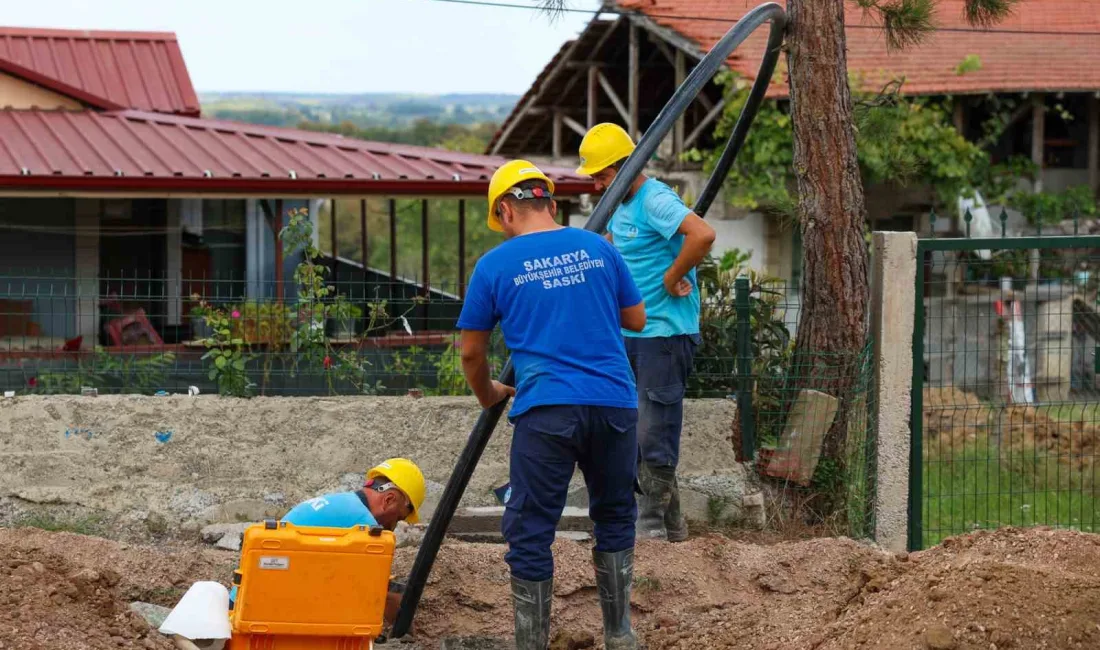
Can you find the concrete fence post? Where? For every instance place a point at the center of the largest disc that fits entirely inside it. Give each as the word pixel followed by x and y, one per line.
pixel 893 300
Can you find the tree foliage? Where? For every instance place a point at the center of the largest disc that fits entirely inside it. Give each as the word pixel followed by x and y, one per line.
pixel 901 141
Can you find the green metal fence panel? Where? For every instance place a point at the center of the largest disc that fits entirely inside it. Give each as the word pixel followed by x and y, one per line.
pixel 1006 399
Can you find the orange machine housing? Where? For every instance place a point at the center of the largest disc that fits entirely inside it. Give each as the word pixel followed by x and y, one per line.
pixel 310 588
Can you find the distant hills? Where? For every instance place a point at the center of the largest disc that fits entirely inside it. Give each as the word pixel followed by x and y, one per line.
pixel 387 110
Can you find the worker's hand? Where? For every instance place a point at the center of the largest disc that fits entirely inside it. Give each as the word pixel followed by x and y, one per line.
pixel 499 393
pixel 677 287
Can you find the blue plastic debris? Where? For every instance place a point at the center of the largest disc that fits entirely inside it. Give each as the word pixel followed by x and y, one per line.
pixel 84 433
pixel 163 436
pixel 161 393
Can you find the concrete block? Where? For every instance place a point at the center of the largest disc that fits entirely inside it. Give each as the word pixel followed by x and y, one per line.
pixel 154 615
pixel 484 519
pixel 893 308
pixel 225 536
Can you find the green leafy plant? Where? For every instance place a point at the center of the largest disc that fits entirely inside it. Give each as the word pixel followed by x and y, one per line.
pixel 225 350
pixel 113 372
pixel 716 359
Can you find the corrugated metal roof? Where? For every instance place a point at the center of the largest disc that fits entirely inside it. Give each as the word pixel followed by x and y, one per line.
pixel 106 70
pixel 1055 59
pixel 142 151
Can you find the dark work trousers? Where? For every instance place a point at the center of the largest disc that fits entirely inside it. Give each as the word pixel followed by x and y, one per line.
pixel 661 366
pixel 547 443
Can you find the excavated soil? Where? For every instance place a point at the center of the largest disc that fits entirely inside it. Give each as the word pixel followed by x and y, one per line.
pixel 954 418
pixel 1035 588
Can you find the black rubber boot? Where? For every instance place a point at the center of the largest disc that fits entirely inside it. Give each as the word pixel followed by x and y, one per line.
pixel 653 503
pixel 675 524
pixel 531 601
pixel 614 576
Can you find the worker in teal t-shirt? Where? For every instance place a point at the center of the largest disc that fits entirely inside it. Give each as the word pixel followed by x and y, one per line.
pixel 662 241
pixel 394 492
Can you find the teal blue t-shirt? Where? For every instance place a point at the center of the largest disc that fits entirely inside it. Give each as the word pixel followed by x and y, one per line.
pixel 557 296
pixel 339 510
pixel 644 230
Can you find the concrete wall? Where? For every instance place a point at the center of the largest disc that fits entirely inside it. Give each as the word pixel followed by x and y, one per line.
pixel 16 93
pixel 229 459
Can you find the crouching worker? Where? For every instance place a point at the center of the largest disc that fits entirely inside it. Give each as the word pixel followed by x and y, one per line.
pixel 560 296
pixel 394 492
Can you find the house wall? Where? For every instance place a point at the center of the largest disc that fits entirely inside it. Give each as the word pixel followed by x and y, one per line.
pixel 37 258
pixel 16 93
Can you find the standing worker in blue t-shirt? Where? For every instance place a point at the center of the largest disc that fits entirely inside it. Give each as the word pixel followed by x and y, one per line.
pixel 662 241
pixel 561 296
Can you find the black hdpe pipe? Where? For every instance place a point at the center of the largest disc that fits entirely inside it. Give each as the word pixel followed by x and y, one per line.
pixel 685 94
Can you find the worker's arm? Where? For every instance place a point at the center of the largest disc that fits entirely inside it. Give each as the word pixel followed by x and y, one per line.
pixel 478 318
pixel 698 239
pixel 475 365
pixel 633 318
pixel 631 306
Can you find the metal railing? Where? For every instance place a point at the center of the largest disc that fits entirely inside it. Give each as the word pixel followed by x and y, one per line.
pixel 142 333
pixel 1005 392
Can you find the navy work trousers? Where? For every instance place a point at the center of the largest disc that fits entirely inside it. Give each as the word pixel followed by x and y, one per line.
pixel 661 366
pixel 547 443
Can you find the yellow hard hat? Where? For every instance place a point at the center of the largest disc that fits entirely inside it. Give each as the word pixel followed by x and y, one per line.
pixel 604 145
pixel 403 473
pixel 505 178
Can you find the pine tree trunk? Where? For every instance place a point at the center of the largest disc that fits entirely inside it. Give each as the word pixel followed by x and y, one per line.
pixel 832 324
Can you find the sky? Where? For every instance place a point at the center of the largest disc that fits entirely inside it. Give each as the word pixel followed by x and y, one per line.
pixel 334 46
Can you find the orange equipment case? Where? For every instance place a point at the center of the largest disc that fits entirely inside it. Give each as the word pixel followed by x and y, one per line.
pixel 310 588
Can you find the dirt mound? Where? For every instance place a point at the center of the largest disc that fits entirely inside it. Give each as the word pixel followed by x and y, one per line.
pixel 59 590
pixel 1012 588
pixel 1034 588
pixel 953 418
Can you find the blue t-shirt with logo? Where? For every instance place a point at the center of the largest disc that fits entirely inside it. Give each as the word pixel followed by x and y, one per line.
pixel 557 296
pixel 644 230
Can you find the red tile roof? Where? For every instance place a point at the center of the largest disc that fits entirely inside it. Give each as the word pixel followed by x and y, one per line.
pixel 106 70
pixel 150 152
pixel 1055 60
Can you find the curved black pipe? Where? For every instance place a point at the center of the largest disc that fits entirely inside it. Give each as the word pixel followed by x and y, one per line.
pixel 685 94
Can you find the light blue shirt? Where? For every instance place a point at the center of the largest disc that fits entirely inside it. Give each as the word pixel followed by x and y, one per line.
pixel 644 230
pixel 340 510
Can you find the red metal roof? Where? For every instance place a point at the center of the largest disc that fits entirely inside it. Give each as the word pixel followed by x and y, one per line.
pixel 151 152
pixel 1061 58
pixel 106 70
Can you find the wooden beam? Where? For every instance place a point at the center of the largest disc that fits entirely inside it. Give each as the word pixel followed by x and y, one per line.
pixel 511 124
pixel 573 125
pixel 1038 136
pixel 556 142
pixel 1094 143
pixel 593 81
pixel 633 79
pixel 594 53
pixel 363 239
pixel 960 115
pixel 702 126
pixel 615 101
pixel 462 248
pixel 664 49
pixel 680 63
